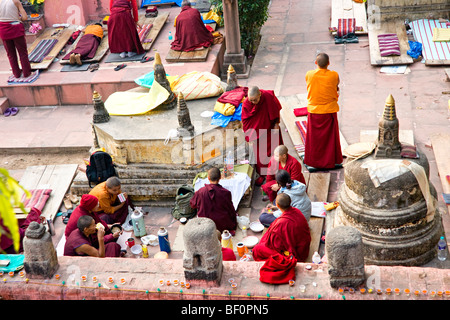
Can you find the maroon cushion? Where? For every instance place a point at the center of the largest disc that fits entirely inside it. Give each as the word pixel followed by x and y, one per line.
pixel 37 199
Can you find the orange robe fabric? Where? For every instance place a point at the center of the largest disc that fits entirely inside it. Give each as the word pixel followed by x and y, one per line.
pixel 292 166
pixel 191 32
pixel 257 122
pixel 290 232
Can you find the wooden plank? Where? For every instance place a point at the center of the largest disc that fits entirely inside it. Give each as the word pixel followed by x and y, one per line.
pixel 103 47
pixel 440 143
pixel 158 23
pixel 397 27
pixel 51 33
pixel 345 9
pixel 318 185
pixel 191 56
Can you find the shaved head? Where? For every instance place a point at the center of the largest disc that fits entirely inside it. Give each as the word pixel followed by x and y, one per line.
pixel 283 201
pixel 281 150
pixel 214 174
pixel 254 95
pixel 322 60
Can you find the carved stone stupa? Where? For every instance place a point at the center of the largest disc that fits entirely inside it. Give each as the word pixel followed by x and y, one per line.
pixel 101 115
pixel 388 144
pixel 231 79
pixel 184 119
pixel 161 78
pixel 391 202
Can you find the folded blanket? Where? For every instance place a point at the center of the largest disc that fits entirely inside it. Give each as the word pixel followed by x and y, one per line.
pixel 300 112
pixel 227 109
pixel 441 34
pixel 389 44
pixel 144 31
pixel 41 50
pixel 346 26
pixel 234 96
pixel 301 126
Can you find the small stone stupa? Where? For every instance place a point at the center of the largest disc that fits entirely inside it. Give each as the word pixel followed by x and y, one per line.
pixel 101 115
pixel 231 79
pixel 184 119
pixel 161 78
pixel 390 201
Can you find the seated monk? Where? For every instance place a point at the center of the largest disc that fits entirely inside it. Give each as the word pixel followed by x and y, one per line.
pixel 296 191
pixel 190 32
pixel 89 206
pixel 281 160
pixel 111 209
pixel 288 234
pixel 79 242
pixel 87 45
pixel 214 201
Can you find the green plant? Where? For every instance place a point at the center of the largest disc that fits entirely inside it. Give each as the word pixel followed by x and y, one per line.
pixel 252 16
pixel 10 197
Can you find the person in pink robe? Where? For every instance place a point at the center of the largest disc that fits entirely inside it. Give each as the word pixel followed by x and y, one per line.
pixel 123 36
pixel 261 124
pixel 214 201
pixel 288 234
pixel 190 32
pixel 281 160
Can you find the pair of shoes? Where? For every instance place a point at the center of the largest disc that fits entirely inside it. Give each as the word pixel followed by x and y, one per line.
pixel 73 198
pixel 11 112
pixel 120 66
pixel 131 54
pixel 66 216
pixel 93 67
pixel 67 202
pixel 147 59
pixel 123 54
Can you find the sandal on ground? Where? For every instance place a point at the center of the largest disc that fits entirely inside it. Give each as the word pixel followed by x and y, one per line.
pixel 7 112
pixel 14 111
pixel 67 202
pixel 147 59
pixel 120 66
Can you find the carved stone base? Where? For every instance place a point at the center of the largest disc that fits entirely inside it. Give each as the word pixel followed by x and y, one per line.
pixel 239 63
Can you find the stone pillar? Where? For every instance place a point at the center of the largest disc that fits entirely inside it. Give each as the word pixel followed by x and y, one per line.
pixel 202 259
pixel 234 54
pixel 40 254
pixel 344 249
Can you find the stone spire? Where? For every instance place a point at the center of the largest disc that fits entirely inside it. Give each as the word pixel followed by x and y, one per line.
pixel 184 119
pixel 101 115
pixel 231 79
pixel 161 78
pixel 388 144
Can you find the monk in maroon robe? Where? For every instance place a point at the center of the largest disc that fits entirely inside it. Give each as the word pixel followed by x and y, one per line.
pixel 190 33
pixel 79 242
pixel 281 160
pixel 288 234
pixel 214 201
pixel 123 36
pixel 261 123
pixel 87 45
pixel 89 206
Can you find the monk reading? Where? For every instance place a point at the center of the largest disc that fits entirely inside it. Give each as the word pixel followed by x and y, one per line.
pixel 288 234
pixel 87 45
pixel 214 201
pixel 261 123
pixel 89 206
pixel 123 36
pixel 79 242
pixel 112 210
pixel 281 160
pixel 322 145
pixel 190 32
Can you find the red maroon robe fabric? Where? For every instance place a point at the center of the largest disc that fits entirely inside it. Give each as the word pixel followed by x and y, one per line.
pixel 278 269
pixel 77 238
pixel 86 47
pixel 122 32
pixel 228 254
pixel 257 122
pixel 6 243
pixel 80 211
pixel 322 146
pixel 289 232
pixel 214 201
pixel 292 166
pixel 190 32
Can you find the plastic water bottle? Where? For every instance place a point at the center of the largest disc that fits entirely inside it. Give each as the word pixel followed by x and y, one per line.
pixel 163 238
pixel 170 35
pixel 442 249
pixel 316 258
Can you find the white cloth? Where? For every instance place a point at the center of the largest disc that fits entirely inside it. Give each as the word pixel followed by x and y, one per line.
pixel 237 185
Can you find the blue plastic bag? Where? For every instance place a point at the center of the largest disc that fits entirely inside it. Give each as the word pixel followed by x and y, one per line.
pixel 415 49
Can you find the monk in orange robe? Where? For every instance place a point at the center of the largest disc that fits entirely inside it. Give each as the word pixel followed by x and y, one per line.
pixel 190 33
pixel 288 234
pixel 281 160
pixel 322 145
pixel 261 124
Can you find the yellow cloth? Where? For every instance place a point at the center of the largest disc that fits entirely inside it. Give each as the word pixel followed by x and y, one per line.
pixel 441 34
pixel 211 15
pixel 322 91
pixel 197 85
pixel 135 103
pixel 227 109
pixel 94 29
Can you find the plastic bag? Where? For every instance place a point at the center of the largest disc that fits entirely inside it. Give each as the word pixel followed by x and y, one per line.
pixel 243 221
pixel 415 49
